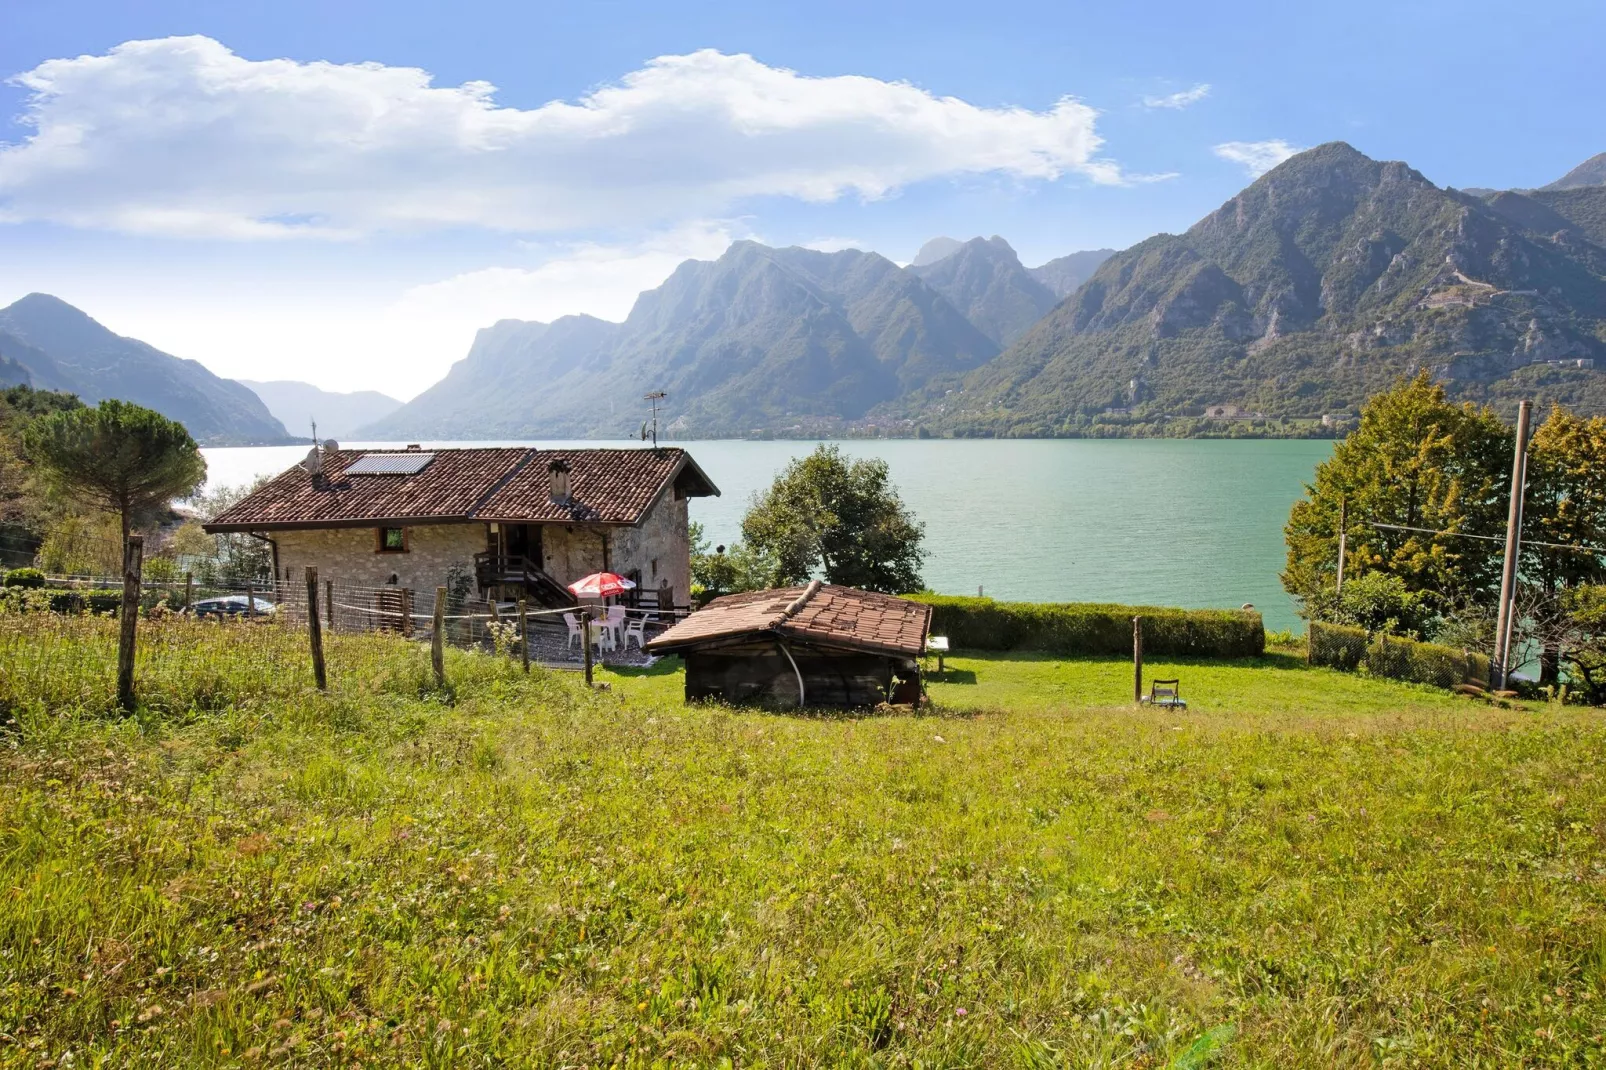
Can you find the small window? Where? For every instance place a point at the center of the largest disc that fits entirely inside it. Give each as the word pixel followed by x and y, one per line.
pixel 392 540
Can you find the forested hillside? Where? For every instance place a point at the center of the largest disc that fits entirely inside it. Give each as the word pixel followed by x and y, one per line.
pixel 1329 277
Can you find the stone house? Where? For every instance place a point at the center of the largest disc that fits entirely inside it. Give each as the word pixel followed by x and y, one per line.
pixel 516 522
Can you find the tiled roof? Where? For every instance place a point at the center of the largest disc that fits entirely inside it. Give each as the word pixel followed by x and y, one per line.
pixel 607 486
pixel 819 613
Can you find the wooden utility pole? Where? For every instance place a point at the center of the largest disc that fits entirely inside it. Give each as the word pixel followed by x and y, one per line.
pixel 524 633
pixel 1343 540
pixel 585 639
pixel 320 675
pixel 437 640
pixel 1508 574
pixel 1137 660
pixel 128 619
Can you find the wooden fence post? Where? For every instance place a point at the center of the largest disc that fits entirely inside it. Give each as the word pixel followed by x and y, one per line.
pixel 189 589
pixel 314 632
pixel 128 619
pixel 585 639
pixel 407 613
pixel 1137 660
pixel 437 640
pixel 329 599
pixel 251 601
pixel 524 632
pixel 496 619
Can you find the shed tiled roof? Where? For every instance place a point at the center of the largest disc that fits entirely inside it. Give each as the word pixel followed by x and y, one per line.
pixel 827 614
pixel 607 486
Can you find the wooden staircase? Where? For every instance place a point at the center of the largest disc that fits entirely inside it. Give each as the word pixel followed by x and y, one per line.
pixel 513 570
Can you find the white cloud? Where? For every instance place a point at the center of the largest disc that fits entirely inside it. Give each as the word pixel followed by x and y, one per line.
pixel 397 341
pixel 1257 157
pixel 180 136
pixel 596 279
pixel 1179 100
pixel 834 245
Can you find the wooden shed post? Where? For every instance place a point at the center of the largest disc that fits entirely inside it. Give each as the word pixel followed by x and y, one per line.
pixel 315 632
pixel 1137 660
pixel 128 620
pixel 437 640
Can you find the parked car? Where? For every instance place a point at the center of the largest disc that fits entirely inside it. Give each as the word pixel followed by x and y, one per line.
pixel 231 605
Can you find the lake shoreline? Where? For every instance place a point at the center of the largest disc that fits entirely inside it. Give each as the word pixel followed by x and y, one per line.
pixel 1192 523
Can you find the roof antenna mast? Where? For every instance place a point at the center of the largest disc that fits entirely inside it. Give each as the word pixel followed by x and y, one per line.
pixel 651 430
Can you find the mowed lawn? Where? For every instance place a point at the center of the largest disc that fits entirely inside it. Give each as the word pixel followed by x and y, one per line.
pixel 1303 869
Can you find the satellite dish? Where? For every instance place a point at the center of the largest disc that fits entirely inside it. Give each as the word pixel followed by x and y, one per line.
pixel 331 445
pixel 313 463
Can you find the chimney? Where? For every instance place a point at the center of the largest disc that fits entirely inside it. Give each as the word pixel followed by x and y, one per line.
pixel 413 447
pixel 558 479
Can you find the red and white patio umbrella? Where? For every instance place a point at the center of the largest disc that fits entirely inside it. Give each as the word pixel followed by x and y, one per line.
pixel 601 585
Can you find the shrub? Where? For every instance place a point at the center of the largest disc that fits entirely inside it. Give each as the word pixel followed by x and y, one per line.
pixel 1341 647
pixel 1093 628
pixel 60 600
pixel 25 577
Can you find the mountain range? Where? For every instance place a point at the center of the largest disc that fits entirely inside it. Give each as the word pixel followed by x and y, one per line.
pixel 338 415
pixel 1327 278
pixel 48 344
pixel 1321 282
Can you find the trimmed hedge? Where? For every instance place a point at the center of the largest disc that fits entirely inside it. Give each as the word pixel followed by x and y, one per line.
pixel 24 578
pixel 62 599
pixel 1340 647
pixel 1093 628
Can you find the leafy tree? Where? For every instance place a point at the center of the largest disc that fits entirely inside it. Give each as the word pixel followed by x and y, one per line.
pixel 1565 504
pixel 827 514
pixel 720 571
pixel 116 456
pixel 1378 602
pixel 231 557
pixel 1415 460
pixel 20 503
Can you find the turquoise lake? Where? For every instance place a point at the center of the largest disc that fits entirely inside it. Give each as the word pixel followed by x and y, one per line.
pixel 1193 522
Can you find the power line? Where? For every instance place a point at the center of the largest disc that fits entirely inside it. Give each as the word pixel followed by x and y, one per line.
pixel 1494 538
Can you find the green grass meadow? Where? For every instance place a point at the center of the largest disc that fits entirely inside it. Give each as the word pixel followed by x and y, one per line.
pixel 1303 869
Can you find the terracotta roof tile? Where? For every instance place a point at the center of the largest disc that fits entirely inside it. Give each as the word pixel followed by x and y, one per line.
pixel 607 486
pixel 830 614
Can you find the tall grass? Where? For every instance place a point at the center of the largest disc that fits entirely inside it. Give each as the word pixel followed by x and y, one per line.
pixel 527 873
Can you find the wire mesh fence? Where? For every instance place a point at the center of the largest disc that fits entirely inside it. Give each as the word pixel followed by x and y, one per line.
pixel 1354 649
pixel 278 611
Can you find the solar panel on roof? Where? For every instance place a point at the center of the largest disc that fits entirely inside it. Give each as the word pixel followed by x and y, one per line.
pixel 390 464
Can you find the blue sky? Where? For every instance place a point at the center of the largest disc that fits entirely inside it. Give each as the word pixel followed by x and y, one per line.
pixel 220 180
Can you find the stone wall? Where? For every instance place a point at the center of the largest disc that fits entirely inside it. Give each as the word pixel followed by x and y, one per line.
pixel 659 548
pixel 348 555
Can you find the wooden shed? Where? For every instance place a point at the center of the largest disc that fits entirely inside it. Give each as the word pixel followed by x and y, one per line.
pixel 820 645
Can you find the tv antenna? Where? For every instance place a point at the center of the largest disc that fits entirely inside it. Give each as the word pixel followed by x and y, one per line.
pixel 651 430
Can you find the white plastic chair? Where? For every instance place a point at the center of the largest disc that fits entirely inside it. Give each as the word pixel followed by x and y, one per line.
pixel 614 621
pixel 572 622
pixel 636 629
